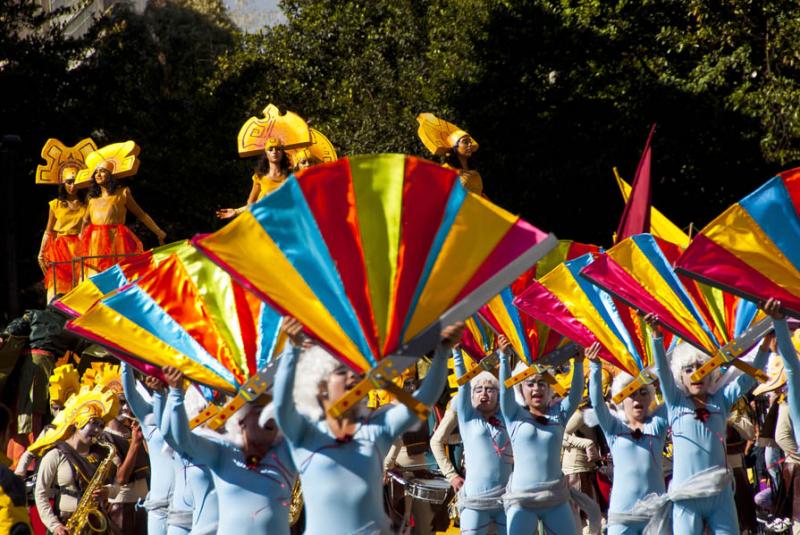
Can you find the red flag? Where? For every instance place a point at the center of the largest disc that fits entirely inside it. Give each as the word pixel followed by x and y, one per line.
pixel 636 216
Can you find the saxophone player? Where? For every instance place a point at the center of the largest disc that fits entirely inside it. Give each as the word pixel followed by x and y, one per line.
pixel 72 457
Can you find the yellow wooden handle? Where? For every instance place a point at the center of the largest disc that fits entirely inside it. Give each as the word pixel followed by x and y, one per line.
pixel 643 379
pixel 226 412
pixel 416 406
pixel 719 359
pixel 530 371
pixel 205 415
pixel 487 363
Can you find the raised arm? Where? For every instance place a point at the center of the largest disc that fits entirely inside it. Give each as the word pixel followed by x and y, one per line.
pixel 570 404
pixel 666 380
pixel 139 406
pixel 608 423
pixel 148 222
pixel 792 367
pixel 292 423
pixel 742 384
pixel 398 418
pixel 178 434
pixel 508 405
pixel 464 396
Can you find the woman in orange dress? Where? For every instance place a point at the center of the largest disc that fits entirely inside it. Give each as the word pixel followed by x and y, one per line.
pixel 104 232
pixel 455 145
pixel 271 171
pixel 60 239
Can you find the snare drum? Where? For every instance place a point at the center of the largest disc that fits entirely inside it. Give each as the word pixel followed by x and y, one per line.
pixel 428 490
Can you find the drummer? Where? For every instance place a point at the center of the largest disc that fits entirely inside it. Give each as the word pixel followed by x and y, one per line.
pixel 408 457
pixel 487 449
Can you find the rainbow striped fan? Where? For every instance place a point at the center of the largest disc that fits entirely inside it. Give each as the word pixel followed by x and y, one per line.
pixel 638 271
pixel 373 254
pixel 753 248
pixel 585 313
pixel 533 341
pixel 78 300
pixel 186 312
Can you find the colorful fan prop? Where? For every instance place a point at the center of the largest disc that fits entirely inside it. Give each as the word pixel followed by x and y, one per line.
pixel 373 254
pixel 478 343
pixel 534 342
pixel 188 313
pixel 585 313
pixel 753 248
pixel 638 271
pixel 78 300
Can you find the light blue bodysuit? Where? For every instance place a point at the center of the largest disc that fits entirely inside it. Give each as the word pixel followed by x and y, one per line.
pixel 638 457
pixel 489 459
pixel 792 367
pixel 162 475
pixel 194 487
pixel 537 453
pixel 252 498
pixel 699 445
pixel 342 479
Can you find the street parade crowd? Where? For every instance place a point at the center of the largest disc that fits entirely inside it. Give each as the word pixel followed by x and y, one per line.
pixel 331 362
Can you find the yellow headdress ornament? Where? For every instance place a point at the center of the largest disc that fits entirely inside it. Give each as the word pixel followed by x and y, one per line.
pixel 106 376
pixel 438 135
pixel 289 129
pixel 64 382
pixel 120 159
pixel 79 410
pixel 62 162
pixel 321 150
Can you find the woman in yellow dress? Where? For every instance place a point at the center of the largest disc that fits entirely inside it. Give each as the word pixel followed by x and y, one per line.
pixel 455 145
pixel 60 242
pixel 272 170
pixel 104 232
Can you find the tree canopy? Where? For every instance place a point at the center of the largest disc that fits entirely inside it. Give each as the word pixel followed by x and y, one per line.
pixel 557 92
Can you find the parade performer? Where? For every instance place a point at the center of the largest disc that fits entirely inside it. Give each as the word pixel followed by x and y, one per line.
pixel 740 430
pixel 444 438
pixel 455 145
pixel 162 473
pixel 636 439
pixel 487 451
pixel 70 464
pixel 125 434
pixel 701 488
pixel 65 215
pixel 271 171
pixel 104 232
pixel 334 454
pixel 253 479
pixel 537 489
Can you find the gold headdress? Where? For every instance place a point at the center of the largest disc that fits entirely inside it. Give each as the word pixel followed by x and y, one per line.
pixel 776 374
pixel 120 159
pixel 438 135
pixel 62 162
pixel 288 128
pixel 79 410
pixel 64 382
pixel 321 150
pixel 106 376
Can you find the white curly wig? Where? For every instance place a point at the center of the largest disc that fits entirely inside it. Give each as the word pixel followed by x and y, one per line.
pixel 621 380
pixel 684 355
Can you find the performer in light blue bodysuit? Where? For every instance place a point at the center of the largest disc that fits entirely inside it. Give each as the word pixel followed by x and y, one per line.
pixel 698 421
pixel 487 449
pixel 538 490
pixel 637 447
pixel 162 474
pixel 340 461
pixel 790 363
pixel 254 481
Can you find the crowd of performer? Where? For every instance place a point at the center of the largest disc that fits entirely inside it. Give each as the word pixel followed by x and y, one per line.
pixel 95 445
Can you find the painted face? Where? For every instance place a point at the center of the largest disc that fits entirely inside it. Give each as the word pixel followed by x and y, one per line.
pixel 125 414
pixel 304 163
pixel 254 434
pixel 55 408
pixel 637 406
pixel 101 176
pixel 464 147
pixel 69 185
pixel 484 398
pixel 339 382
pixel 275 154
pixel 694 388
pixel 91 430
pixel 537 393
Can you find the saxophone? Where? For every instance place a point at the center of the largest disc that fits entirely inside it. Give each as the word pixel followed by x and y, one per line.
pixel 296 505
pixel 88 517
